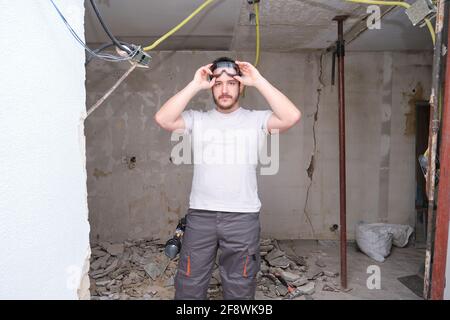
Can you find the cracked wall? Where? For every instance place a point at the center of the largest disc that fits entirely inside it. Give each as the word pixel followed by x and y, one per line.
pixel 302 200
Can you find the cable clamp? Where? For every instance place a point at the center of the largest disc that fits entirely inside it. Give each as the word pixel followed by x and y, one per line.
pixel 141 57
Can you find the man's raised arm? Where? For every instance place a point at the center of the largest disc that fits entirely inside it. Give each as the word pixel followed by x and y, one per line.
pixel 286 114
pixel 169 116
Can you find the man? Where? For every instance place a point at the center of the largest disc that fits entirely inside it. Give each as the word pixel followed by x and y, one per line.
pixel 224 205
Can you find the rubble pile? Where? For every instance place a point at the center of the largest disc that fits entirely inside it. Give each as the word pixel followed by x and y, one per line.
pixel 288 276
pixel 139 269
pixel 135 269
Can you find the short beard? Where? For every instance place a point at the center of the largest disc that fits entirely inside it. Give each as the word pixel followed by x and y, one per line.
pixel 220 106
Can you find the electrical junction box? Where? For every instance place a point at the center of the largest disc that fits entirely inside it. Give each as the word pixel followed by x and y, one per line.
pixel 142 58
pixel 420 10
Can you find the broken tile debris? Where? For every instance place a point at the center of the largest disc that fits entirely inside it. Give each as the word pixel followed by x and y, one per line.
pixel 139 270
pixel 320 263
pixel 153 270
pixel 114 249
pixel 289 276
pixel 307 289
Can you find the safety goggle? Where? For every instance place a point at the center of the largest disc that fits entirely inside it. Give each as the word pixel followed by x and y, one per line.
pixel 225 64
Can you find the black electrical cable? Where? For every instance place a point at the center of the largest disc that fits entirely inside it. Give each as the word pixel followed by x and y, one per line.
pixel 110 35
pixel 103 56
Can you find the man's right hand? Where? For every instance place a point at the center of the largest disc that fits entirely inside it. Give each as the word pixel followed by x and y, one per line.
pixel 201 80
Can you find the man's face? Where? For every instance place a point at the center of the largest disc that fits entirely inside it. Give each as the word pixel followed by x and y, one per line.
pixel 226 89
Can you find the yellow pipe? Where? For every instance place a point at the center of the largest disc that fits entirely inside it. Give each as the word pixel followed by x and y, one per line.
pixel 181 24
pixel 257 33
pixel 402 4
pixel 387 3
pixel 431 28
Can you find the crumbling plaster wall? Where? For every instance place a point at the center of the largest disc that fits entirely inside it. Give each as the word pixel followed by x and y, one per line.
pixel 302 200
pixel 44 229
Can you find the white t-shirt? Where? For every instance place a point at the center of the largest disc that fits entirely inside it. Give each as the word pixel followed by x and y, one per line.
pixel 225 152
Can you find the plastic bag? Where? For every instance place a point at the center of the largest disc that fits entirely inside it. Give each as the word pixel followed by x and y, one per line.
pixel 376 239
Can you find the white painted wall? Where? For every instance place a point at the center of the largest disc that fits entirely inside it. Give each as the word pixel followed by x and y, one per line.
pixel 44 229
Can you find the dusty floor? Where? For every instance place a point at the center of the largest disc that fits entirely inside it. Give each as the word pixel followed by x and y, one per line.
pixel 139 270
pixel 402 262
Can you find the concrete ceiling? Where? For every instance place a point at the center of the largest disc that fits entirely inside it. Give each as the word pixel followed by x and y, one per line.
pixel 286 25
pixel 396 33
pixel 142 22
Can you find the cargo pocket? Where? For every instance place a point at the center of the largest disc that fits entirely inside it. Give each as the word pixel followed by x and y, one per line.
pixel 239 282
pixel 184 286
pixel 184 265
pixel 251 264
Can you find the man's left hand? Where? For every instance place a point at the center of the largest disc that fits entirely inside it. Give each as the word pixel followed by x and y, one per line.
pixel 250 75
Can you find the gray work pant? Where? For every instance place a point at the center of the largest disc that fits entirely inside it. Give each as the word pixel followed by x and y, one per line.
pixel 236 235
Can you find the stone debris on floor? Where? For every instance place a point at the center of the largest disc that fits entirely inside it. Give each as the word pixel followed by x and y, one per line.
pixel 139 269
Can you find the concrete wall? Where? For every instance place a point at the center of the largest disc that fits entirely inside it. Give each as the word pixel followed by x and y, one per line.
pixel 148 199
pixel 44 229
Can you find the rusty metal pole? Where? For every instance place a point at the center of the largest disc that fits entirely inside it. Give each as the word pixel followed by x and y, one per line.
pixel 443 205
pixel 340 53
pixel 432 147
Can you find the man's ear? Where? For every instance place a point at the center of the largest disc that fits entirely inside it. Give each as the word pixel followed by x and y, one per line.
pixel 241 88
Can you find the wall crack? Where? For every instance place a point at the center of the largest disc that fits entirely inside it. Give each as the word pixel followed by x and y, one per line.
pixel 310 169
